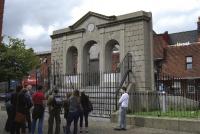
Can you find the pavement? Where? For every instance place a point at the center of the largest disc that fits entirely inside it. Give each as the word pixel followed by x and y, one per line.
pixel 98 126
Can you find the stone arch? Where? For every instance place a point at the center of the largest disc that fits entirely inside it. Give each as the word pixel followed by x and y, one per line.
pixel 112 55
pixel 90 57
pixel 71 58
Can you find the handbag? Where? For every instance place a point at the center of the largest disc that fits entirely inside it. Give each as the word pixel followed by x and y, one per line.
pixel 19 117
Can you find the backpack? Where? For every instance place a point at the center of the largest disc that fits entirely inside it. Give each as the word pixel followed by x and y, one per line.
pixel 90 107
pixel 57 102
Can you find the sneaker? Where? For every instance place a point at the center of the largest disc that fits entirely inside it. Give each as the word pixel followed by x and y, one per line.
pixel 123 129
pixel 117 128
pixel 81 131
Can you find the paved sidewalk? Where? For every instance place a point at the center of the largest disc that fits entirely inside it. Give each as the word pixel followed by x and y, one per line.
pixel 100 126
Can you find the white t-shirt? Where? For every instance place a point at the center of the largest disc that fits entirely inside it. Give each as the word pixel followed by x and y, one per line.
pixel 124 100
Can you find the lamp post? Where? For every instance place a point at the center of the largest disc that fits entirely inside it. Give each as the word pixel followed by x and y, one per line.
pixel 36 78
pixel 158 63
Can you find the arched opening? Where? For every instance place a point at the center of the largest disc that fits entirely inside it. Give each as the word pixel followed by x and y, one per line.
pixel 71 64
pixel 90 63
pixel 112 55
pixel 91 57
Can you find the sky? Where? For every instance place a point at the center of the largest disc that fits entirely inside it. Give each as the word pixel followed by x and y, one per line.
pixel 34 20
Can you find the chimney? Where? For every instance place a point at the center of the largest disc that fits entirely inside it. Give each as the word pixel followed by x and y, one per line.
pixel 198 29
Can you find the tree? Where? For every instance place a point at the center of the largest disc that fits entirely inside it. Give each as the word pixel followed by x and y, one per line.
pixel 15 60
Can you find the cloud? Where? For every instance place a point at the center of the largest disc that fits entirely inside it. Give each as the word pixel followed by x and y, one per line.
pixel 170 15
pixel 31 32
pixel 34 20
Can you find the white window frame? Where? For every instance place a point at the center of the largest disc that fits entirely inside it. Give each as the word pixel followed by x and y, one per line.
pixel 189 61
pixel 177 86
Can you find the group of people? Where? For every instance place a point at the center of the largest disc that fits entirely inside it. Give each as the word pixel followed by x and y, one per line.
pixel 18 106
pixel 25 107
pixel 76 105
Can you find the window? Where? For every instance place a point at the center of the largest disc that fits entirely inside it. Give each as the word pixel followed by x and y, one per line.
pixel 189 62
pixel 191 86
pixel 45 60
pixel 177 87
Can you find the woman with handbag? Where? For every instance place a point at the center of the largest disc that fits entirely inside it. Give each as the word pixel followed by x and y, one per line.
pixel 18 100
pixel 85 103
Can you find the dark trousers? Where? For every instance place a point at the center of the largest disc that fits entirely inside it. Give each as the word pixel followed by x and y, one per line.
pixel 9 120
pixel 84 115
pixel 72 116
pixel 28 121
pixel 16 127
pixel 54 114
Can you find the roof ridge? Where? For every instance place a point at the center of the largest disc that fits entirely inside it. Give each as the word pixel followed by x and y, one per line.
pixel 94 14
pixel 182 32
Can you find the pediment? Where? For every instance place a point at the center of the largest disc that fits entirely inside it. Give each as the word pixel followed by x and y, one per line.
pixel 92 17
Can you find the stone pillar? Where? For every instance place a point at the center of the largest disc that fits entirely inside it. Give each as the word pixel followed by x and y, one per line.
pixel 102 51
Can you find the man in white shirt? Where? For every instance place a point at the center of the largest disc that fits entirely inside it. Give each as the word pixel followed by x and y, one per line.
pixel 123 103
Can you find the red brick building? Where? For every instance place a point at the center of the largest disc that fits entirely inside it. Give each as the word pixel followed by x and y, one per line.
pixel 1 17
pixel 44 70
pixel 43 73
pixel 178 55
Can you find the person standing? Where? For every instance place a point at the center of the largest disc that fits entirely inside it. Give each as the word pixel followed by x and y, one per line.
pixel 19 102
pixel 55 104
pixel 123 103
pixel 29 90
pixel 74 111
pixel 28 107
pixel 38 99
pixel 84 113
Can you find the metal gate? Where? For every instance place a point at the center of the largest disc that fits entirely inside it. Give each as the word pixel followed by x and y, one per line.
pixel 102 93
pixel 101 87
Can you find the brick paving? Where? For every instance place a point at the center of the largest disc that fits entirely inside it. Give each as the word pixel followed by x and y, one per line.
pixel 99 126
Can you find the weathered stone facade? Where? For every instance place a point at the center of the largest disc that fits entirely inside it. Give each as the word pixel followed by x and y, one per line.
pixel 133 33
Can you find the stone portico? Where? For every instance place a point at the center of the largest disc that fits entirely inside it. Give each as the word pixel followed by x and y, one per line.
pixel 131 32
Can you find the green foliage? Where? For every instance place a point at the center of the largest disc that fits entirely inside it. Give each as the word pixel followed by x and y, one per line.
pixel 16 60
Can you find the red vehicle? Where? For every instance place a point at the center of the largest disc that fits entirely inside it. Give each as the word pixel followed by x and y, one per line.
pixel 30 80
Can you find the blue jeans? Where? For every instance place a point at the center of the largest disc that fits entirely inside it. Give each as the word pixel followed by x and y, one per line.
pixel 122 117
pixel 40 125
pixel 72 116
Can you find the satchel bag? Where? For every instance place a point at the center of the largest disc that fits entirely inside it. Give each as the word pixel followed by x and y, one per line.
pixel 20 118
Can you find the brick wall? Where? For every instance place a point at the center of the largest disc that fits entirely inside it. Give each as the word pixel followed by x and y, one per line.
pixel 45 60
pixel 115 61
pixel 1 17
pixel 198 29
pixel 159 45
pixel 175 62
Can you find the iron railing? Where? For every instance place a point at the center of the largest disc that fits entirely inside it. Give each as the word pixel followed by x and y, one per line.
pixel 99 86
pixel 163 104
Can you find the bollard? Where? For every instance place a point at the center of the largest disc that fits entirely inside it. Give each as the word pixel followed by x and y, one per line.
pixel 163 101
